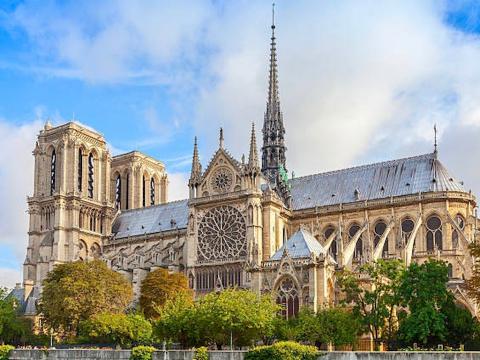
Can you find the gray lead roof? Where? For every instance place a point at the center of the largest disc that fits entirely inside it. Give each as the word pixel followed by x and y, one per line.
pixel 399 177
pixel 408 176
pixel 152 219
pixel 302 244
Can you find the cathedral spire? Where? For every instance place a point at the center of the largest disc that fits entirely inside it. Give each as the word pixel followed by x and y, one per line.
pixel 196 166
pixel 253 155
pixel 273 150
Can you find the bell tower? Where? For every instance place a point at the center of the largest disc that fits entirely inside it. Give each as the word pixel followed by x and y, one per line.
pixel 70 209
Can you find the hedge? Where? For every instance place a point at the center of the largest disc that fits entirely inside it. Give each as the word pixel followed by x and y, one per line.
pixel 283 350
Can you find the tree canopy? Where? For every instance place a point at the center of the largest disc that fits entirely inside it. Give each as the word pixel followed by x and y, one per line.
pixel 12 327
pixel 240 315
pixel 74 292
pixel 159 286
pixel 373 293
pixel 423 290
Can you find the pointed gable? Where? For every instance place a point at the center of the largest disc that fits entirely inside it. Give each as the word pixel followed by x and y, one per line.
pixel 300 245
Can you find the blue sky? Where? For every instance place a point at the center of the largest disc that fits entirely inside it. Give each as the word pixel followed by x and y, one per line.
pixel 360 81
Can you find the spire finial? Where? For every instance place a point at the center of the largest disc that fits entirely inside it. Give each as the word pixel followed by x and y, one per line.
pixel 253 155
pixel 435 145
pixel 221 138
pixel 273 15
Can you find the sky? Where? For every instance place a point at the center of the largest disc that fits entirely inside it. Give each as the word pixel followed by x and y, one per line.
pixel 360 81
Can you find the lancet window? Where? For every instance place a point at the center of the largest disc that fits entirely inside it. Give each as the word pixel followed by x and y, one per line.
pixel 434 234
pixel 90 175
pixel 333 250
pixel 407 228
pixel 359 245
pixel 287 297
pixel 152 191
pixel 80 170
pixel 378 231
pixel 53 168
pixel 118 192
pixel 459 220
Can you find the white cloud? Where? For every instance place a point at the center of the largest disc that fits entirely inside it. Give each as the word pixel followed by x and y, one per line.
pixel 16 182
pixel 359 81
pixel 177 186
pixel 9 277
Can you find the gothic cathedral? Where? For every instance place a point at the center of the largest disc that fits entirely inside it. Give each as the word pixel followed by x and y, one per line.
pixel 246 223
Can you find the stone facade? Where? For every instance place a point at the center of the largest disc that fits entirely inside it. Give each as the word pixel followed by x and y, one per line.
pixel 245 224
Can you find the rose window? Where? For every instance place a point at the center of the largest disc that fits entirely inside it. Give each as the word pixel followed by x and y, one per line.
pixel 222 180
pixel 222 235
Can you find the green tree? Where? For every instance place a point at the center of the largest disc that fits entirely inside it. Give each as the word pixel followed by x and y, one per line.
pixel 373 293
pixel 159 286
pixel 238 315
pixel 178 321
pixel 13 328
pixel 423 290
pixel 460 324
pixel 74 292
pixel 338 326
pixel 124 330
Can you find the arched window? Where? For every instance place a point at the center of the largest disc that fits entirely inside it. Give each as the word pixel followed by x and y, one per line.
pixel 407 227
pixel 434 233
pixel 144 191
pixel 287 297
pixel 118 192
pixel 126 191
pixel 460 221
pixel 95 251
pixel 80 170
pixel 90 175
pixel 152 191
pixel 359 246
pixel 450 270
pixel 53 166
pixel 333 250
pixel 378 232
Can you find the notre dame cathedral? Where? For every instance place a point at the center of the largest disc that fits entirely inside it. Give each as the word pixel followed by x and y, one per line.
pixel 245 224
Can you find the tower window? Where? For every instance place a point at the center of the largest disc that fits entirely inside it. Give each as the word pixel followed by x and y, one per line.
pixel 90 175
pixel 126 191
pixel 53 165
pixel 152 191
pixel 80 170
pixel 333 250
pixel 144 190
pixel 118 192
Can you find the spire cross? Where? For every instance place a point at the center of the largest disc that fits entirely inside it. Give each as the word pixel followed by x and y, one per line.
pixel 435 145
pixel 273 16
pixel 221 138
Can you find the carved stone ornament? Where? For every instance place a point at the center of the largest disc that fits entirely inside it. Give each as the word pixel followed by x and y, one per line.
pixel 222 235
pixel 222 180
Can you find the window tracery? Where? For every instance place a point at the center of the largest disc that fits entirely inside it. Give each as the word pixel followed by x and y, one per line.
pixel 222 235
pixel 287 297
pixel 333 250
pixel 434 234
pixel 378 231
pixel 352 231
pixel 407 228
pixel 222 180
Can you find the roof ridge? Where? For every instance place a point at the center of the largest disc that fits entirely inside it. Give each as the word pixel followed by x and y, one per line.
pixel 365 166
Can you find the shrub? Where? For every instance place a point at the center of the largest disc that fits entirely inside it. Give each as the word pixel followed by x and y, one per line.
pixel 5 351
pixel 283 350
pixel 201 353
pixel 142 353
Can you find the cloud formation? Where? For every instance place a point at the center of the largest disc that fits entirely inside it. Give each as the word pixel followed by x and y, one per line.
pixel 16 183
